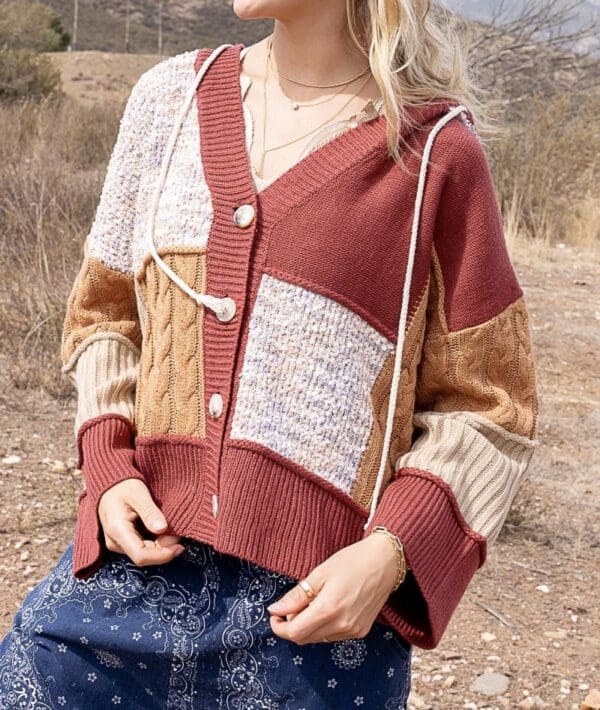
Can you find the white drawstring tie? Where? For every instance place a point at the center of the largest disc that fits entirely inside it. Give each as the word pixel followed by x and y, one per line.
pixel 224 308
pixel 404 309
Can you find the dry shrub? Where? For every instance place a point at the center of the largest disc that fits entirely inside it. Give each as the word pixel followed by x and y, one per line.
pixel 26 74
pixel 31 25
pixel 52 163
pixel 544 164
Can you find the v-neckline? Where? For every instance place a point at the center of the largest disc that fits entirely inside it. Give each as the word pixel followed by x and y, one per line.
pixel 223 143
pixel 316 168
pixel 370 106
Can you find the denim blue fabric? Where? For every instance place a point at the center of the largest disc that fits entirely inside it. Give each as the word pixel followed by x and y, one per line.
pixel 187 635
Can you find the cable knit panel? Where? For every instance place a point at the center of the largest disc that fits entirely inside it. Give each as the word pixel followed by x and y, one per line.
pixel 171 401
pixel 485 368
pixel 90 314
pixel 289 399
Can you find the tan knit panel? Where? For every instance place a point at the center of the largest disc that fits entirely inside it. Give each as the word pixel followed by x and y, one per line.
pixel 102 300
pixel 105 376
pixel 487 368
pixel 171 400
pixel 480 461
pixel 402 431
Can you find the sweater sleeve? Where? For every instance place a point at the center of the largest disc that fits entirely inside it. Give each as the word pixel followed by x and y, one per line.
pixel 476 406
pixel 102 334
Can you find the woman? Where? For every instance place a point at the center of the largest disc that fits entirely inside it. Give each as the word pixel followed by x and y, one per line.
pixel 305 378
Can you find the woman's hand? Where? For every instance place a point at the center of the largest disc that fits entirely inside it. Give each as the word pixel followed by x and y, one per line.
pixel 351 586
pixel 119 507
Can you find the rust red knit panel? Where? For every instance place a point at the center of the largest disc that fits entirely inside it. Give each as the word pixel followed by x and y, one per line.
pixel 105 447
pixel 479 278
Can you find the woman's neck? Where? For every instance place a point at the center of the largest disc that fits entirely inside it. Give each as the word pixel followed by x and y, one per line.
pixel 316 51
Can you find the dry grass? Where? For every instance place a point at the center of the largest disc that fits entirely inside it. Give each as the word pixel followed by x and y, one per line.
pixel 545 165
pixel 52 162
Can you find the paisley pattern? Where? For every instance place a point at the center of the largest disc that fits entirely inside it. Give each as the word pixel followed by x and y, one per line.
pixel 193 633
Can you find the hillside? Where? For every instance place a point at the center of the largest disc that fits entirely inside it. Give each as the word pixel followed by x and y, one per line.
pixel 187 24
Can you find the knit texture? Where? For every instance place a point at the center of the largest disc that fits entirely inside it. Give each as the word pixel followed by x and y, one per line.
pixel 284 474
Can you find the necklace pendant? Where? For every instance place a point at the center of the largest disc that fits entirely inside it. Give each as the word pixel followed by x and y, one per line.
pixel 295 106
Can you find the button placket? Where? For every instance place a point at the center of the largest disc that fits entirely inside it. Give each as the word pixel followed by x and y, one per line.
pixel 243 217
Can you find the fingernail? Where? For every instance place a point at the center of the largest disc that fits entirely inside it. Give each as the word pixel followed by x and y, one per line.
pixel 159 523
pixel 273 607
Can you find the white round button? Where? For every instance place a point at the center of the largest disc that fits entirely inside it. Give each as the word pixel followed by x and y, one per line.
pixel 215 405
pixel 227 309
pixel 244 215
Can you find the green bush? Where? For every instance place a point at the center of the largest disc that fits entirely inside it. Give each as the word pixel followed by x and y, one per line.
pixel 24 73
pixel 31 25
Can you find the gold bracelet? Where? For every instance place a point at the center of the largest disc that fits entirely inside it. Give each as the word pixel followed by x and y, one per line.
pixel 403 565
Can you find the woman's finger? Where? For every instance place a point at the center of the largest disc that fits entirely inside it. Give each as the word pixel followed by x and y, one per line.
pixel 296 599
pixel 167 540
pixel 150 514
pixel 303 625
pixel 139 550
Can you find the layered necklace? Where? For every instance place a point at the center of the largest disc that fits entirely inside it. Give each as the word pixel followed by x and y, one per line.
pixel 296 104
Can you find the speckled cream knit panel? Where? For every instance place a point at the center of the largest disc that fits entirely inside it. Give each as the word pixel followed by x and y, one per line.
pixel 106 377
pixel 480 461
pixel 171 366
pixel 112 231
pixel 307 378
pixel 185 210
pixel 380 394
pixel 102 301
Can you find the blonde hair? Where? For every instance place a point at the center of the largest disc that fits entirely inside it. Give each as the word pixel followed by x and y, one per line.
pixel 415 58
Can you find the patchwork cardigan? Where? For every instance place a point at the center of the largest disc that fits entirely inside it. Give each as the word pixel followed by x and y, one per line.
pixel 286 368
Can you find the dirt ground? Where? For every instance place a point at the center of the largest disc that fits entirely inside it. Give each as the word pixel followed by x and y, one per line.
pixel 531 613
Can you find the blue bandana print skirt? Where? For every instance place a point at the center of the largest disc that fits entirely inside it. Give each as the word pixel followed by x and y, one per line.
pixel 190 634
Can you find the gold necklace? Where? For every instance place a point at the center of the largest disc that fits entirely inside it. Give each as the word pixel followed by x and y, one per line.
pixel 297 104
pixel 318 86
pixel 259 172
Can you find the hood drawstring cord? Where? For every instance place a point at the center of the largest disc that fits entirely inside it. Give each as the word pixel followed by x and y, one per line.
pixel 223 307
pixel 404 309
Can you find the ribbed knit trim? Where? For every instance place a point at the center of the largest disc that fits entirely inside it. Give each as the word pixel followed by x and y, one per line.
pixel 222 114
pixel 442 550
pixel 225 162
pixel 284 518
pixel 106 453
pixel 105 456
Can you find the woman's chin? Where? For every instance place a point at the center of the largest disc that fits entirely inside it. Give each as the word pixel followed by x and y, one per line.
pixel 254 9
